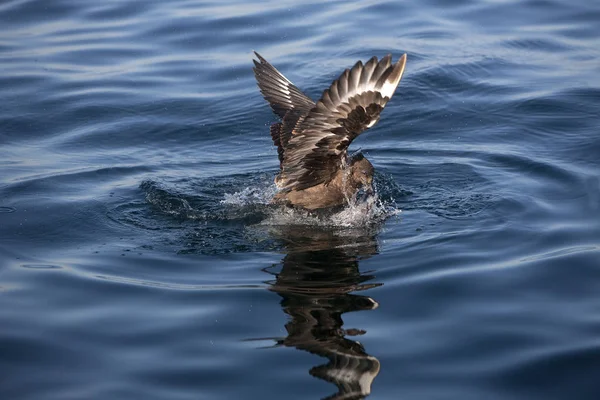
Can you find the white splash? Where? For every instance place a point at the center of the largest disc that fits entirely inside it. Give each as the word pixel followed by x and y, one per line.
pixel 355 214
pixel 250 195
pixel 359 212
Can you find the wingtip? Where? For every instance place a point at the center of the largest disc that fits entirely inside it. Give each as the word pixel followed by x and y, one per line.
pixel 400 65
pixel 386 59
pixel 260 58
pixel 402 59
pixel 389 82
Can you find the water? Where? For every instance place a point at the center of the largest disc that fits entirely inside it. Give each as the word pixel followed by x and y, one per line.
pixel 139 257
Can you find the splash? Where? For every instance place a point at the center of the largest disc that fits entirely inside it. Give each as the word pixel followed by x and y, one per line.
pixel 358 213
pixel 235 214
pixel 250 196
pixel 246 200
pixel 361 210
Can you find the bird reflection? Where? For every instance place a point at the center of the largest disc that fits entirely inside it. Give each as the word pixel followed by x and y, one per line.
pixel 315 280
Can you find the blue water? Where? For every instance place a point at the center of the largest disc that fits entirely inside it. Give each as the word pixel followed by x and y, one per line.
pixel 138 256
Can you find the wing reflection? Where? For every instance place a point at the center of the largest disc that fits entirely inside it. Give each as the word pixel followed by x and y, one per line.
pixel 315 280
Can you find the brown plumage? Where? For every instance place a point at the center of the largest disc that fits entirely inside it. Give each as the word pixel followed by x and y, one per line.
pixel 312 139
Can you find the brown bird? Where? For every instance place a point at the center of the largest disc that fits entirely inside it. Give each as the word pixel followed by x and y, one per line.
pixel 312 139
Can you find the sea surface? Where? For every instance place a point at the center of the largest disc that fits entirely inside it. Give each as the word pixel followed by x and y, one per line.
pixel 140 257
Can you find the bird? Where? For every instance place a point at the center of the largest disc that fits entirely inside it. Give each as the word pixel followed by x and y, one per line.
pixel 312 138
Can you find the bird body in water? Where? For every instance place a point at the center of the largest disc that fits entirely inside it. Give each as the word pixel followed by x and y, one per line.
pixel 312 139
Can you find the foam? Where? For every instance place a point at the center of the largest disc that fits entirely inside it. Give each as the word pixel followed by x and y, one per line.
pixel 250 196
pixel 357 213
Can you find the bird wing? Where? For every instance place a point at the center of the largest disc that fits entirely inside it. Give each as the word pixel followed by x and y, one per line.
pixel 282 95
pixel 318 145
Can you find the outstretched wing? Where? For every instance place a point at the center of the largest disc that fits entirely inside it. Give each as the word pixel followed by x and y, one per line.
pixel 318 146
pixel 281 94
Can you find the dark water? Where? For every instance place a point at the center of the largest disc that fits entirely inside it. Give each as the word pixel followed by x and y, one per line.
pixel 138 258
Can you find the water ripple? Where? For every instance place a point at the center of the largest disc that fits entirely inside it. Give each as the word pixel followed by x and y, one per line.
pixel 140 257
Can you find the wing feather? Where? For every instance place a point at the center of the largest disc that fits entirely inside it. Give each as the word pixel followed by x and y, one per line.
pixel 281 94
pixel 367 72
pixel 317 147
